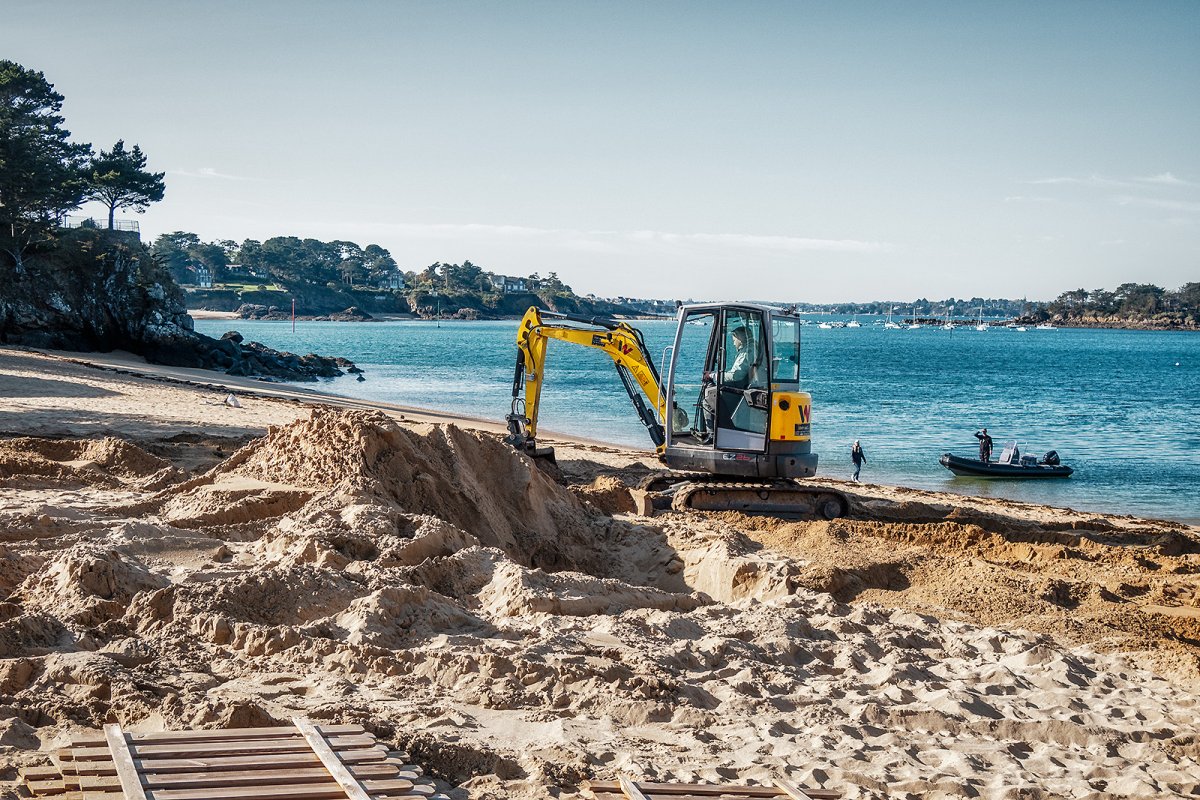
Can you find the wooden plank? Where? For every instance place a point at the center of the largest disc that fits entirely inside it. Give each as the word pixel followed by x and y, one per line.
pixel 46 788
pixel 216 735
pixel 337 769
pixel 127 772
pixel 258 777
pixel 791 790
pixel 230 748
pixel 216 763
pixel 630 789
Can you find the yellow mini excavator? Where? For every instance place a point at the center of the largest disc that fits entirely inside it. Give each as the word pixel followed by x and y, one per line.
pixel 730 422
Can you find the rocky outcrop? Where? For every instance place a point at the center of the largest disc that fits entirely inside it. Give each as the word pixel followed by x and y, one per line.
pixel 262 312
pixel 1165 321
pixel 99 291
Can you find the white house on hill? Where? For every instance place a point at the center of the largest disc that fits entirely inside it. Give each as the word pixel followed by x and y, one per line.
pixel 506 284
pixel 394 280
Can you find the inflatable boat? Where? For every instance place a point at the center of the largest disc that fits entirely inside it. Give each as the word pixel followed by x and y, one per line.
pixel 1020 467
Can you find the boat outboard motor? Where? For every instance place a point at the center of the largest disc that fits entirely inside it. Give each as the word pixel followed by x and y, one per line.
pixel 1051 458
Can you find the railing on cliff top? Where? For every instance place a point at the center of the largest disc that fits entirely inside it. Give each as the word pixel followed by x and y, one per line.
pixel 123 225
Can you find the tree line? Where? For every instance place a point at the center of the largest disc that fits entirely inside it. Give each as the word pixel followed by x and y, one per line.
pixel 44 175
pixel 1128 300
pixel 293 262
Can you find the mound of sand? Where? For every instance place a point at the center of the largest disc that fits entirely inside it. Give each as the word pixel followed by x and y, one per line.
pixel 106 463
pixel 464 478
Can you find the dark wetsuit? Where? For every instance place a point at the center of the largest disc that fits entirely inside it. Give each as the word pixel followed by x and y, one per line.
pixel 985 447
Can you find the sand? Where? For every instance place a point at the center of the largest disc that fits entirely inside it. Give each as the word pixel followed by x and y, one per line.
pixel 170 561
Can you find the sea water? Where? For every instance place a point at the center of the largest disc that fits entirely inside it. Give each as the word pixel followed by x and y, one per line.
pixel 1121 407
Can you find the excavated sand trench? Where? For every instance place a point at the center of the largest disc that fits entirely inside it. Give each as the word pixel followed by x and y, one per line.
pixel 518 637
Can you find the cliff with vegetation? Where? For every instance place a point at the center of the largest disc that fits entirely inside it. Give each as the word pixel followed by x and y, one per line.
pixel 261 279
pixel 96 290
pixel 93 288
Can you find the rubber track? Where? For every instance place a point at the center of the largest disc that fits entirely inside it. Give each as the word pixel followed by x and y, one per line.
pixel 669 479
pixel 683 496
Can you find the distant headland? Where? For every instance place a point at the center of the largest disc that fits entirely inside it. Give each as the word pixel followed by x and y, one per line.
pixel 344 281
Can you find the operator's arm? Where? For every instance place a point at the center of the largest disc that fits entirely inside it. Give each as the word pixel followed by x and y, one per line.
pixel 739 373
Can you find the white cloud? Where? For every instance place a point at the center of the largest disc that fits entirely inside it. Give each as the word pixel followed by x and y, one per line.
pixel 1166 179
pixel 1025 198
pixel 207 172
pixel 602 240
pixel 1100 181
pixel 1091 180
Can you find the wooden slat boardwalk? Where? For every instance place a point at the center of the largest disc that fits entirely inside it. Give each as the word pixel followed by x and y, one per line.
pixel 305 761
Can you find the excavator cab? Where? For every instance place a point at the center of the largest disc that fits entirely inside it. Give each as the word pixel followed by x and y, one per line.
pixel 735 376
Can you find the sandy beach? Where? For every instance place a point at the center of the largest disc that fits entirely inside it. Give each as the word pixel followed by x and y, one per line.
pixel 168 560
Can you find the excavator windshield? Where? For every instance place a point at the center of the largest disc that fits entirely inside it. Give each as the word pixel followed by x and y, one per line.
pixel 785 351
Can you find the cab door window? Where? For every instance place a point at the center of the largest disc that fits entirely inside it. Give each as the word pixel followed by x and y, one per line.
pixel 741 383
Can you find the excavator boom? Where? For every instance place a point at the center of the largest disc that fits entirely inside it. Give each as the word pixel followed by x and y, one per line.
pixel 618 340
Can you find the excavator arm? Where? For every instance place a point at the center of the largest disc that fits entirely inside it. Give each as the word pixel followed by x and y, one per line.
pixel 618 340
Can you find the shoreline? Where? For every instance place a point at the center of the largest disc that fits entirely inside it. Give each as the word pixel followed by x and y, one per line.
pixel 304 393
pixel 206 314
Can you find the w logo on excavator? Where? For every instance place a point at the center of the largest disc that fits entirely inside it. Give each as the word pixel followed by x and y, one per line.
pixel 805 411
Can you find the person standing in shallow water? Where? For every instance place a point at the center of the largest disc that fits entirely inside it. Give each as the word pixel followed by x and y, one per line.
pixel 985 445
pixel 858 457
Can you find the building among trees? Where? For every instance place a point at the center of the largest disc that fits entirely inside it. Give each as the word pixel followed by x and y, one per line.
pixel 506 284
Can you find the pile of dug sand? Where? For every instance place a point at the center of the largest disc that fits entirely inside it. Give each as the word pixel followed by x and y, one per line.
pixel 518 637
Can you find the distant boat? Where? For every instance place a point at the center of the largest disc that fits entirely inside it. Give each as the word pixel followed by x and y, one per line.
pixel 853 323
pixel 948 325
pixel 889 324
pixel 825 325
pixel 1046 326
pixel 1021 328
pixel 1012 325
pixel 915 326
pixel 981 325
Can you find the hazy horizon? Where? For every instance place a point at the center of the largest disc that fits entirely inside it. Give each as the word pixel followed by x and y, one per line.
pixel 790 151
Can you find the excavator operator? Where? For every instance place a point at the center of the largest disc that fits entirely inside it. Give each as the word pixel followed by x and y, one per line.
pixel 736 377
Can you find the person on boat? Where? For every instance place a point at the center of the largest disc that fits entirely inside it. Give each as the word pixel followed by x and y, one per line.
pixel 858 457
pixel 985 445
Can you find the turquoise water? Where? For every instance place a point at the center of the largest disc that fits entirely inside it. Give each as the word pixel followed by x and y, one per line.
pixel 1122 407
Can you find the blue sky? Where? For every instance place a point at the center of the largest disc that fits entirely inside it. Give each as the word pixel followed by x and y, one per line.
pixel 787 151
